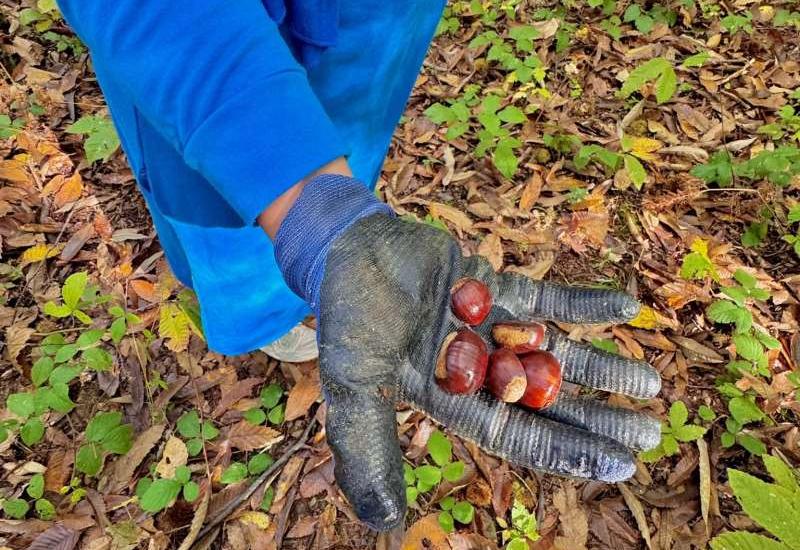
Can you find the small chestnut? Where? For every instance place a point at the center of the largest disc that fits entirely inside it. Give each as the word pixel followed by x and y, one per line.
pixel 506 378
pixel 471 301
pixel 543 373
pixel 518 336
pixel 462 361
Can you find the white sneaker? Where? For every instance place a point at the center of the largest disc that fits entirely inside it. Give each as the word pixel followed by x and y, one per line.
pixel 296 346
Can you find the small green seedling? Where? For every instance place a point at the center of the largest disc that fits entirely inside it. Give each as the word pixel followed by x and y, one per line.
pixel 425 477
pixel 697 264
pixel 659 71
pixel 523 528
pixel 101 137
pixel 105 434
pixel 677 430
pixel 189 427
pixel 157 494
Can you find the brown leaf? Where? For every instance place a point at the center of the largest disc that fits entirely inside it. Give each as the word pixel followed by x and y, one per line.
pixel 426 533
pixel 304 394
pixel 241 389
pixel 17 336
pixel 197 522
pixel 69 191
pixel 120 473
pixel 59 468
pixel 574 523
pixel 302 528
pixel 705 481
pixel 696 351
pixel 491 248
pixel 461 221
pixel 102 225
pixel 57 537
pixel 531 192
pixel 470 541
pixel 146 290
pixel 636 508
pixel 175 455
pixel 249 437
pixel 76 242
pixel 286 481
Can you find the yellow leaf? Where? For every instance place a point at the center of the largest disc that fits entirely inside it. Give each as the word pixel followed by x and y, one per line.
pixel 15 170
pixel 39 252
pixel 643 147
pixel 174 326
pixel 646 319
pixel 259 519
pixel 700 246
pixel 175 454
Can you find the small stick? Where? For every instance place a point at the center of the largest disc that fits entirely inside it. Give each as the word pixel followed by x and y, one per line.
pixel 232 505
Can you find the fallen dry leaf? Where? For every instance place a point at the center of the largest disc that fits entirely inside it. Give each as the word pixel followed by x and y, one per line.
pixel 302 395
pixel 248 437
pixel 120 473
pixel 426 533
pixel 175 455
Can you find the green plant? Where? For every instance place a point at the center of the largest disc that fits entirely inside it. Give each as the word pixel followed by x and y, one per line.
pixel 42 17
pixel 516 55
pixel 672 432
pixel 17 508
pixel 157 494
pixel 734 23
pixel 787 125
pixel 697 264
pixel 523 528
pixel 425 477
pixel 697 60
pixel 775 507
pixel 190 427
pixel 63 42
pixel 756 231
pixel 659 71
pixel 606 345
pixel 105 434
pixel 10 128
pixel 101 141
pixel 452 511
pixel 786 18
pixel 794 240
pixel 718 170
pixel 272 409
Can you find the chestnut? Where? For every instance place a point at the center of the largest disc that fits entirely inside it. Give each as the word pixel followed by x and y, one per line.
pixel 543 373
pixel 471 301
pixel 518 336
pixel 462 361
pixel 506 378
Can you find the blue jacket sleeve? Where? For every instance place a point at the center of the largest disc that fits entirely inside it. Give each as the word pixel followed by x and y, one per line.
pixel 218 80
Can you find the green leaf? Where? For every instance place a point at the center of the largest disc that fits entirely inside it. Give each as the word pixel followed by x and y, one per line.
pixel 766 506
pixel 102 424
pixel 182 474
pixel 408 474
pixel 15 508
pixel 97 359
pixel 652 455
pixel 45 509
pixel 259 463
pixel 504 158
pixel 678 414
pixel 102 138
pixel 117 329
pixel 747 347
pixel 688 432
pixel 270 395
pixel 65 353
pixel 697 60
pixel 89 338
pixel 269 495
pixel 463 512
pixel 142 485
pixel 706 413
pixel 209 431
pixel 742 540
pixel 447 503
pixel 41 370
pixel 20 404
pixel 635 170
pixel 755 234
pixel 276 415
pixel 255 416
pixel 609 346
pixel 32 431
pixel 159 495
pixel 512 114
pixel 36 486
pixel 58 311
pixel 727 439
pixel 119 440
pixel 718 170
pixel 751 444
pixel 735 293
pixel 440 448
pixel 429 475
pixel 191 491
pixel 89 459
pixel 73 289
pixel 670 445
pixel 440 114
pixel 234 473
pixel 64 374
pixel 767 341
pixel 189 424
pixel 745 279
pixel 666 85
pixel 744 410
pixel 781 473
pixel 194 446
pixel 658 69
pixel 453 471
pixel 411 495
pixel 723 311
pixel 446 522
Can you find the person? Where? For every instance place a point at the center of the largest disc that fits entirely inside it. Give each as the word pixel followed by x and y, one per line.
pixel 250 127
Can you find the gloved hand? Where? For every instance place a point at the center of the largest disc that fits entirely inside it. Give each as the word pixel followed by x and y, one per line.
pixel 381 290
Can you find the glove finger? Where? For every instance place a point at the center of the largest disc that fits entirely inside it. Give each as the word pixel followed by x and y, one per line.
pixel 362 433
pixel 518 435
pixel 588 366
pixel 527 299
pixel 633 429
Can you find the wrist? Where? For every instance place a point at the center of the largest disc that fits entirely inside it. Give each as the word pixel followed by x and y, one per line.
pixel 326 206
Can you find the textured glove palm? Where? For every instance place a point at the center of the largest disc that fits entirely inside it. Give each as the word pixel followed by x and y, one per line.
pixel 382 300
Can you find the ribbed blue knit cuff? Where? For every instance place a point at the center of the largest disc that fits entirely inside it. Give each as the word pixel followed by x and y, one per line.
pixel 326 207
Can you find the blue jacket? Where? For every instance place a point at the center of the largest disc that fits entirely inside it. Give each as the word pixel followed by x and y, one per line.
pixel 222 105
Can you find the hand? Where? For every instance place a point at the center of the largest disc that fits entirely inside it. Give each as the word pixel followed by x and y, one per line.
pixel 383 312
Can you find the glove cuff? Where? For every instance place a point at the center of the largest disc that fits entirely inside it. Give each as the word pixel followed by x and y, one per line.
pixel 327 206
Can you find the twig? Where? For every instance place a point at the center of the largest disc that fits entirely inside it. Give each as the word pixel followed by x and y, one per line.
pixel 234 504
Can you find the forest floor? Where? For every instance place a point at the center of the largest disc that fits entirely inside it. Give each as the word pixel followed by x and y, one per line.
pixel 649 147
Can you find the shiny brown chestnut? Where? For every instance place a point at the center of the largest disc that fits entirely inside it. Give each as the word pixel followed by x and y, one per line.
pixel 461 365
pixel 543 374
pixel 518 336
pixel 471 301
pixel 505 377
